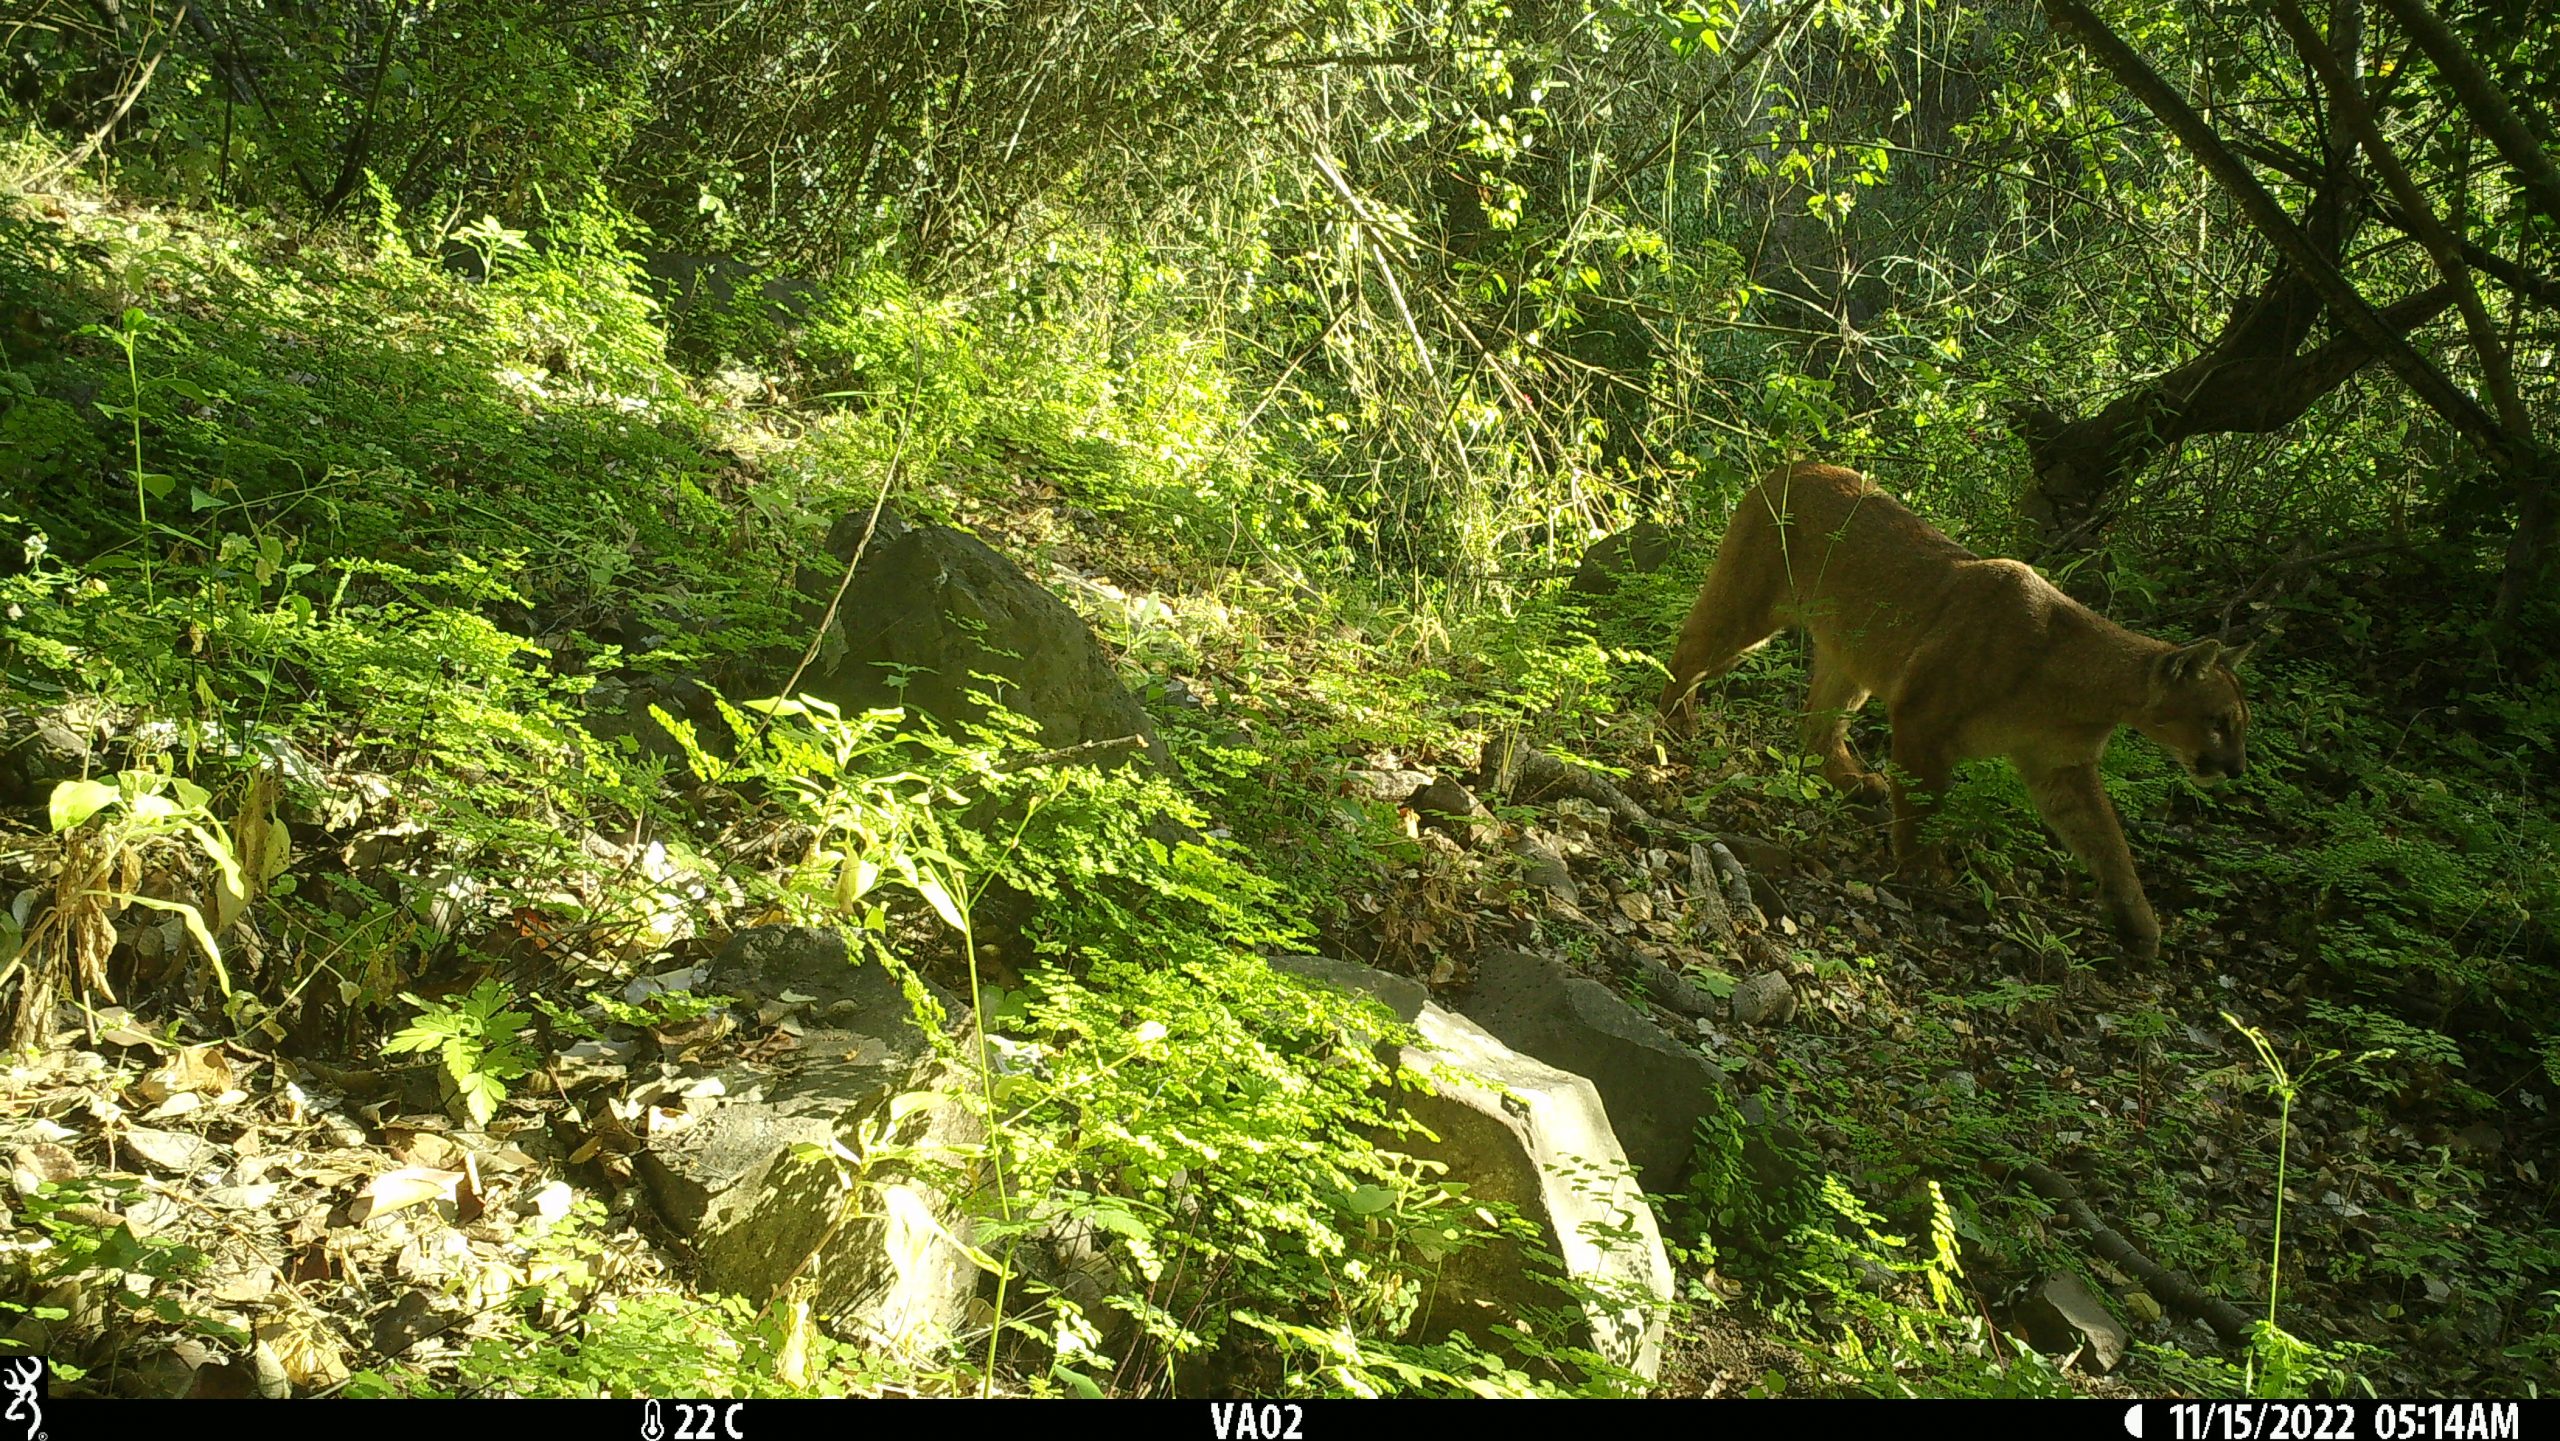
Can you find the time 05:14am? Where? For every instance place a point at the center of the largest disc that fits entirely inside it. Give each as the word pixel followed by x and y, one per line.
pixel 2338 1421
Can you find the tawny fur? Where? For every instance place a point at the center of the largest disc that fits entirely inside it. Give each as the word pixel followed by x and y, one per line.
pixel 1973 658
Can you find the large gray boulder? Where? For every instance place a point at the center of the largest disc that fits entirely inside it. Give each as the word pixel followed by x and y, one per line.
pixel 1655 1087
pixel 684 280
pixel 1513 1129
pixel 1639 549
pixel 40 751
pixel 760 1212
pixel 936 607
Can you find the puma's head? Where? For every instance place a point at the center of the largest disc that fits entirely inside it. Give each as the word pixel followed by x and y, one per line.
pixel 2196 711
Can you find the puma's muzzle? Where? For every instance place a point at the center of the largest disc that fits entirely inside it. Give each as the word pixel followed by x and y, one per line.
pixel 2223 765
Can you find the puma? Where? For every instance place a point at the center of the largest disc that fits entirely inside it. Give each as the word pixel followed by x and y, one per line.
pixel 1974 658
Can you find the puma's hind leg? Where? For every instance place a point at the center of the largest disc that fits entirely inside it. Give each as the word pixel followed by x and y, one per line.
pixel 1830 700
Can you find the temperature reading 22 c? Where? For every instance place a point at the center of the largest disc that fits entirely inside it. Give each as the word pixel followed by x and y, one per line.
pixel 695 1421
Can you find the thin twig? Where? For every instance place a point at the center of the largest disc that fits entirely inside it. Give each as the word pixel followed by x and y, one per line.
pixel 827 620
pixel 98 138
pixel 1085 751
pixel 2291 564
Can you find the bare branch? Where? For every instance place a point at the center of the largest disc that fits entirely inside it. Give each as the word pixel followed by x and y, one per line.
pixel 98 138
pixel 2348 308
pixel 2346 99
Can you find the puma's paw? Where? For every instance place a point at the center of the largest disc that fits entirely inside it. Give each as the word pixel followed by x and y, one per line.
pixel 2138 936
pixel 1925 871
pixel 1869 789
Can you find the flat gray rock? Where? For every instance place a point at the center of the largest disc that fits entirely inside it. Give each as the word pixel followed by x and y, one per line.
pixel 1767 999
pixel 1514 1129
pixel 1655 1087
pixel 755 1212
pixel 2063 1314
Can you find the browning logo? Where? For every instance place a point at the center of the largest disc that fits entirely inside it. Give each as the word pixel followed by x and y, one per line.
pixel 23 1378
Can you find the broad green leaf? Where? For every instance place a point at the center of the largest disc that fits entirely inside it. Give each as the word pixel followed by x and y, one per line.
pixel 908 1208
pixel 940 899
pixel 219 851
pixel 907 1103
pixel 481 1095
pixel 195 927
pixel 151 808
pixel 1118 1222
pixel 121 1250
pixel 76 801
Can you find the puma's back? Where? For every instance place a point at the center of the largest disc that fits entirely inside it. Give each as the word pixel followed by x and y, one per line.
pixel 1883 592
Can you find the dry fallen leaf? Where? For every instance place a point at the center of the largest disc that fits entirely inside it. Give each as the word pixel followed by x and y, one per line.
pixel 245 1288
pixel 172 1151
pixel 400 1189
pixel 202 1070
pixel 472 1197
pixel 311 1264
pixel 549 1203
pixel 309 1355
pixel 185 1103
pixel 252 1197
pixel 37 1162
pixel 264 845
pixel 434 1258
pixel 117 1027
pixel 428 1150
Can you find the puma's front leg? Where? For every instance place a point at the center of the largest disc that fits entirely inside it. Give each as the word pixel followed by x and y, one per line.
pixel 2074 802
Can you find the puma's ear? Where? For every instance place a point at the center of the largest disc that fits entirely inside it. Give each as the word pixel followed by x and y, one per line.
pixel 2232 658
pixel 2188 662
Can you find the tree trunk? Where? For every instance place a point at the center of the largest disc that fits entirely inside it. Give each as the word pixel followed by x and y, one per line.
pixel 2250 381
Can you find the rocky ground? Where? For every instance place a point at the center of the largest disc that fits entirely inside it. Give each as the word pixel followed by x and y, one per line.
pixel 1974 1036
